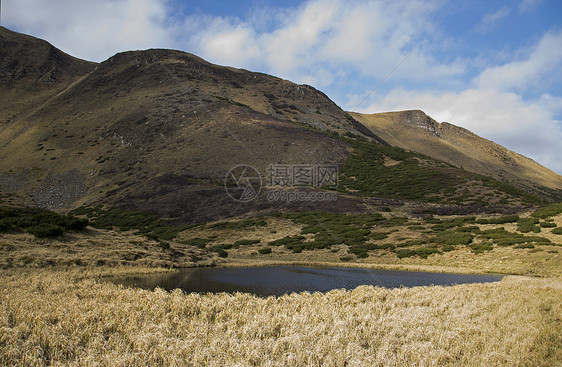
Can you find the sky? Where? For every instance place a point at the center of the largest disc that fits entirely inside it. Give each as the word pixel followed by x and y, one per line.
pixel 493 67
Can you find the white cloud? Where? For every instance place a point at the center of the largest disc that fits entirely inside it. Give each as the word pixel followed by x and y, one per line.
pixel 495 109
pixel 526 127
pixel 490 20
pixel 322 40
pixel 93 30
pixel 545 57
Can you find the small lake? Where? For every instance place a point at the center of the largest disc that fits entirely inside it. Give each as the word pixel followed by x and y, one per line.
pixel 279 280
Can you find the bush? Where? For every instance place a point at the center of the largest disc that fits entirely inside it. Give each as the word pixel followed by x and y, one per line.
pixel 246 242
pixel 526 225
pixel 447 248
pixel 479 248
pixel 405 253
pixel 548 211
pixel 453 238
pixel 548 225
pixel 222 253
pixel 499 220
pixel 39 222
pixel 246 223
pixel 288 240
pixel 557 230
pixel 45 230
pixel 525 245
pixel 265 250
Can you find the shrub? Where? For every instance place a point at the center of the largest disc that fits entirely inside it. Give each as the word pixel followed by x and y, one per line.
pixel 548 225
pixel 222 253
pixel 557 230
pixel 526 225
pixel 548 211
pixel 378 236
pixel 265 250
pixel 39 222
pixel 405 253
pixel 45 230
pixel 246 223
pixel 499 220
pixel 525 245
pixel 479 248
pixel 246 242
pixel 288 240
pixel 447 248
pixel 424 252
pixel 453 238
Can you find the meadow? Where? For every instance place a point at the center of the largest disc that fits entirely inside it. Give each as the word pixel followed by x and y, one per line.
pixel 57 307
pixel 70 316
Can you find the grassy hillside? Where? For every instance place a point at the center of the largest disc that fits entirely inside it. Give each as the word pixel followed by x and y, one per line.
pixel 394 173
pixel 416 131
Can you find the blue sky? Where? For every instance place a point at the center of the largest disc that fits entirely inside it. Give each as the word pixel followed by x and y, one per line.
pixel 493 67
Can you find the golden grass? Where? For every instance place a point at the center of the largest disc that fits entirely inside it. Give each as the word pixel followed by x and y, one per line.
pixel 95 247
pixel 70 317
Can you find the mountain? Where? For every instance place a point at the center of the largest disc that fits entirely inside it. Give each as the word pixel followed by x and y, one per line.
pixel 159 130
pixel 416 131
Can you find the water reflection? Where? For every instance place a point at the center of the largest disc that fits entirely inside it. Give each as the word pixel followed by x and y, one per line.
pixel 279 280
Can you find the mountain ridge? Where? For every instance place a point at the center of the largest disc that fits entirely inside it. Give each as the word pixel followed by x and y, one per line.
pixel 159 129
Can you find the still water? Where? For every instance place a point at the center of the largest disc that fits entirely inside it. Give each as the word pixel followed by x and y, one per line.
pixel 279 280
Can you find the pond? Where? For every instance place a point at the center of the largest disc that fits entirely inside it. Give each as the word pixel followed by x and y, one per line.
pixel 279 280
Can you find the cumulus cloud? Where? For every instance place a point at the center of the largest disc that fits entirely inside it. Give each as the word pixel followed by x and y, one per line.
pixel 495 109
pixel 320 40
pixel 93 30
pixel 545 57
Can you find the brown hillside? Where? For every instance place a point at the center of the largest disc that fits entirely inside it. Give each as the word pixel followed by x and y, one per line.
pixel 416 131
pixel 159 129
pixel 155 129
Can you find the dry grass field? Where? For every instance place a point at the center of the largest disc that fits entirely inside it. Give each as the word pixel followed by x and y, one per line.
pixel 69 316
pixel 57 308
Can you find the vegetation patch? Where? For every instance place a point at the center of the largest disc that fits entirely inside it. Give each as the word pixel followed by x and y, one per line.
pixel 502 237
pixel 198 242
pixel 428 179
pixel 499 220
pixel 246 243
pixel 41 223
pixel 479 248
pixel 453 238
pixel 526 225
pixel 422 252
pixel 145 222
pixel 246 223
pixel 548 211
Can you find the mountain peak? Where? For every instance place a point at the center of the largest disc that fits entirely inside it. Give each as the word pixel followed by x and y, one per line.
pixel 418 119
pixel 31 60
